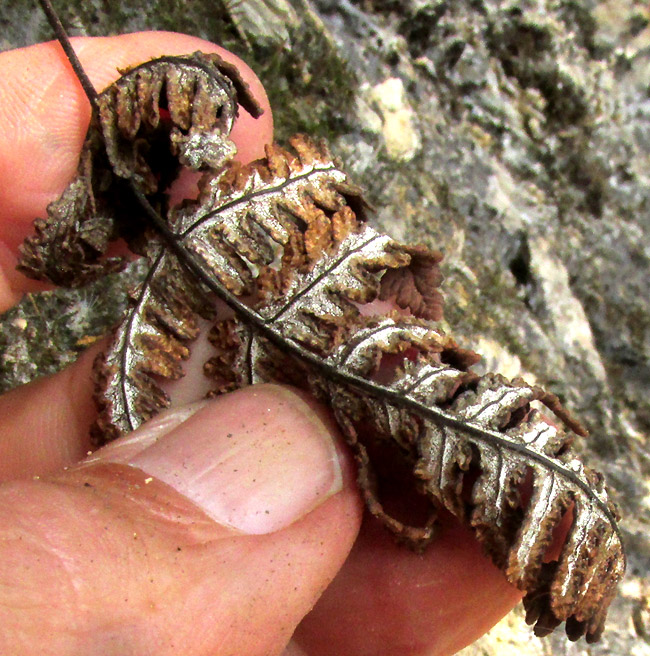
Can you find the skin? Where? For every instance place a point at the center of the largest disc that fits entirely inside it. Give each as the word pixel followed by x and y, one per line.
pixel 384 600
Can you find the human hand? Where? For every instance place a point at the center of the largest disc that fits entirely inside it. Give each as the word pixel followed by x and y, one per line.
pixel 215 528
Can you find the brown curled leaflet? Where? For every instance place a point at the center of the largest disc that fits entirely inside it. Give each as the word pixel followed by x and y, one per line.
pixel 157 117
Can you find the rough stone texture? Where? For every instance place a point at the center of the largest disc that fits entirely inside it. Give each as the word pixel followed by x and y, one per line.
pixel 514 136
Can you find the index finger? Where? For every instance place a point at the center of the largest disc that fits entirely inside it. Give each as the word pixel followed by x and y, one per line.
pixel 43 123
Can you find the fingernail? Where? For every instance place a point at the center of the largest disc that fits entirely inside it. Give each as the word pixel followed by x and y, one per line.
pixel 130 445
pixel 256 460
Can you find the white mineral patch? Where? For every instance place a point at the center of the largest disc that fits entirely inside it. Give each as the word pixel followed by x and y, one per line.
pixel 270 20
pixel 398 129
pixel 518 205
pixel 367 113
pixel 494 357
pixel 564 309
pixel 19 323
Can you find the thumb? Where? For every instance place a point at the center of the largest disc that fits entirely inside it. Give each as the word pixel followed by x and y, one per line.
pixel 211 530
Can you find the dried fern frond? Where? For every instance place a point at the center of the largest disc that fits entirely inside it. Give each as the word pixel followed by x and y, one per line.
pixel 286 243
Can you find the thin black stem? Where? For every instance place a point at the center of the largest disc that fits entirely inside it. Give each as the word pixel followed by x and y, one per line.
pixel 396 397
pixel 63 38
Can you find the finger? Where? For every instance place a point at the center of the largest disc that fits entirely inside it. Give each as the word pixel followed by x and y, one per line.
pixel 44 115
pixel 388 600
pixel 45 424
pixel 212 532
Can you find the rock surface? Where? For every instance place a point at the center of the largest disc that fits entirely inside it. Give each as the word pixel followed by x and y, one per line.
pixel 515 137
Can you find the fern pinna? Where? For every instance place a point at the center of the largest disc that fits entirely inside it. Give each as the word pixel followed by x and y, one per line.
pixel 323 301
